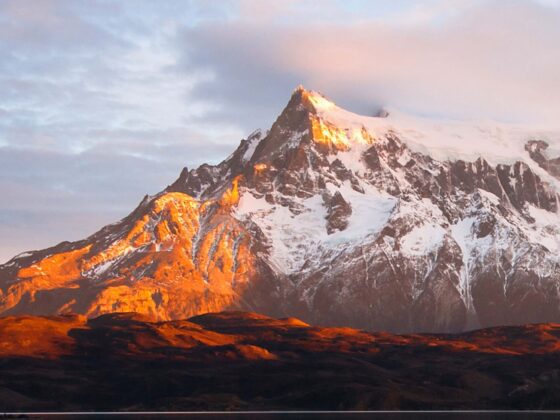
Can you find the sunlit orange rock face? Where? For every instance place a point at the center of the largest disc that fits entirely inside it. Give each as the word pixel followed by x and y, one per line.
pixel 174 257
pixel 247 361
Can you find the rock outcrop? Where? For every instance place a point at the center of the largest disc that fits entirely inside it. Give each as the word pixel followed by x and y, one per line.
pixel 385 223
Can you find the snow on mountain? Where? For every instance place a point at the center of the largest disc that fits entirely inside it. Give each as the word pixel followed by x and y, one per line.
pixel 390 222
pixel 252 143
pixel 443 139
pixel 297 238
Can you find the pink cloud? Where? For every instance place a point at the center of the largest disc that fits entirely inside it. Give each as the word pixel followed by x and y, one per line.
pixel 489 61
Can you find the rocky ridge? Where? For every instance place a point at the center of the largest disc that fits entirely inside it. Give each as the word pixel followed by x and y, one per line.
pixel 381 222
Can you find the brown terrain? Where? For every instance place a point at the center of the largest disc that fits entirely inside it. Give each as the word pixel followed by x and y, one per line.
pixel 247 361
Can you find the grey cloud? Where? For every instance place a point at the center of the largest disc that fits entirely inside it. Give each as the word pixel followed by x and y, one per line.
pixel 38 228
pixel 91 116
pixel 51 26
pixel 49 197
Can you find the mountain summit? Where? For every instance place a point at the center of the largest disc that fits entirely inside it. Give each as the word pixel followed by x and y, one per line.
pixel 389 222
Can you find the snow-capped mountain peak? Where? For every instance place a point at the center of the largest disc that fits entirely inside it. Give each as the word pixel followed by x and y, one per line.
pixel 389 222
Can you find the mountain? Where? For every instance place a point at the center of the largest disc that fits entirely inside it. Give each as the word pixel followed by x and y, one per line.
pixel 246 361
pixel 382 223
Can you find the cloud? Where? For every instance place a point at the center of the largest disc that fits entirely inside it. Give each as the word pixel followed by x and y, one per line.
pixel 488 61
pixel 50 196
pixel 91 115
pixel 105 101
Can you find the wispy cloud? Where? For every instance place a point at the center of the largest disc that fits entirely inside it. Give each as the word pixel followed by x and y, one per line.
pixel 488 61
pixel 104 101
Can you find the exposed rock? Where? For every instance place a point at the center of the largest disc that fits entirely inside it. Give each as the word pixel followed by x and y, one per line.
pixel 338 212
pixel 537 151
pixel 332 217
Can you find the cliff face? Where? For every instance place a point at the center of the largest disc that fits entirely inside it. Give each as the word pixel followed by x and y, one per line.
pixel 173 257
pixel 385 223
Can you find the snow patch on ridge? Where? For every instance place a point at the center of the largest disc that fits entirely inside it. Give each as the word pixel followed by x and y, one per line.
pixel 445 139
pixel 22 255
pixel 352 158
pixel 295 139
pixel 254 141
pixel 491 197
pixel 462 234
pixel 296 238
pixel 545 230
pixel 370 212
pixel 422 239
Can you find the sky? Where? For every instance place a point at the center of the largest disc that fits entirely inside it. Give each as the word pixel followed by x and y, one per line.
pixel 102 102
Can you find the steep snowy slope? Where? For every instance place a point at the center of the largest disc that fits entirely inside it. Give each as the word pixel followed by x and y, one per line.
pixel 394 223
